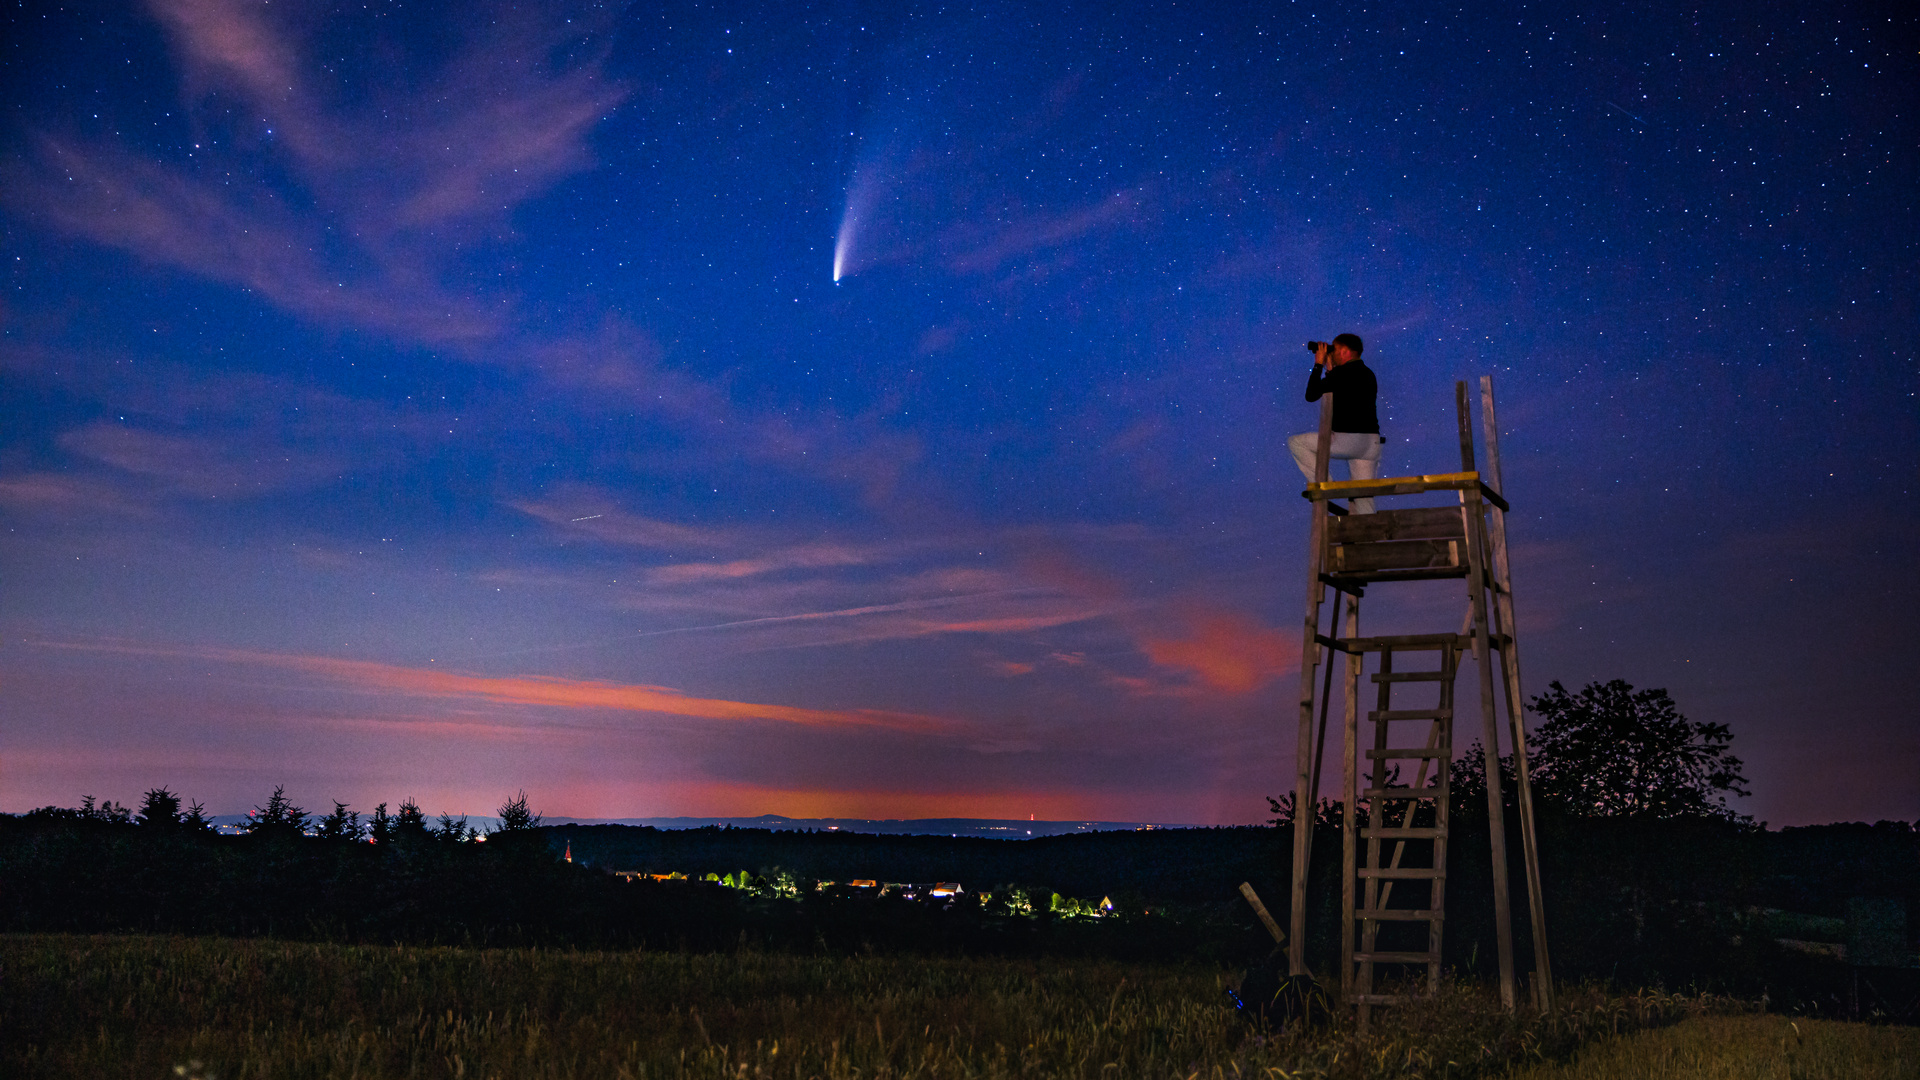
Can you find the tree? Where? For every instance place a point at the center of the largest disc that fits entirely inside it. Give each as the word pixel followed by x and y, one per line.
pixel 516 817
pixel 161 808
pixel 380 825
pixel 342 824
pixel 196 818
pixel 108 811
pixel 279 817
pixel 1612 751
pixel 453 830
pixel 410 822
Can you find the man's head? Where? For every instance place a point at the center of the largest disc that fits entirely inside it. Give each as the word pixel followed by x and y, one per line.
pixel 1347 347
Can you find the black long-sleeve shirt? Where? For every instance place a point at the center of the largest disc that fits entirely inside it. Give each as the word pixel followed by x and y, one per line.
pixel 1354 391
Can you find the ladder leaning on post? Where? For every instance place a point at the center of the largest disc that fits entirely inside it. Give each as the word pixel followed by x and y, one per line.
pixel 1347 553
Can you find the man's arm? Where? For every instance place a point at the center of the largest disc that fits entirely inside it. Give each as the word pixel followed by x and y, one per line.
pixel 1321 362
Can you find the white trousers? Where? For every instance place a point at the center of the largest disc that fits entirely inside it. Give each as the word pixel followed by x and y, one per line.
pixel 1359 449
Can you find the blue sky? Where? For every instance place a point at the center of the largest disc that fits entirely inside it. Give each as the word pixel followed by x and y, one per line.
pixel 879 410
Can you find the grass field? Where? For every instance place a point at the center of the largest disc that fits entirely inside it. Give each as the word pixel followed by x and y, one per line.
pixel 151 1007
pixel 1746 1048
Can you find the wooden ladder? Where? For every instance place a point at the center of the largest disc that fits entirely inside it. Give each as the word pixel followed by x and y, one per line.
pixel 1426 830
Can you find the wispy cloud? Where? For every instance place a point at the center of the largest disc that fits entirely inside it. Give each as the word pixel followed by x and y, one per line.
pixel 199 465
pixel 64 495
pixel 535 690
pixel 809 557
pixel 976 250
pixel 503 126
pixel 594 514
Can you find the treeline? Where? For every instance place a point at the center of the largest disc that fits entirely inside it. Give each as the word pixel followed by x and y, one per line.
pixel 1683 901
pixel 400 878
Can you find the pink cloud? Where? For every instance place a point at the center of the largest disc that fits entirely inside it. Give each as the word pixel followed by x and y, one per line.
pixel 1226 651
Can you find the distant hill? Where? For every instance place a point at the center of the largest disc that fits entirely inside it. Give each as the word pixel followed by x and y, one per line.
pixel 993 828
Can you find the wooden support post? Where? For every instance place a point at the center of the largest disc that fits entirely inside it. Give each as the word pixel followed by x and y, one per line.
pixel 1304 798
pixel 1374 895
pixel 1260 909
pixel 1490 730
pixel 1350 754
pixel 1510 665
pixel 1442 815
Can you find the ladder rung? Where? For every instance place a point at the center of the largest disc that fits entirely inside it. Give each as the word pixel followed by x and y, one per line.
pixel 1378 715
pixel 1394 958
pixel 1409 676
pixel 1415 833
pixel 1409 752
pixel 1404 793
pixel 1399 915
pixel 1400 872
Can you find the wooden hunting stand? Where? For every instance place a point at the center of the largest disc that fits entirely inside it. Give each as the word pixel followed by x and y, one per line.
pixel 1347 553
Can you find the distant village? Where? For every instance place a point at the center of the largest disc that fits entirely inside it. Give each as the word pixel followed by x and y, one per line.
pixel 783 885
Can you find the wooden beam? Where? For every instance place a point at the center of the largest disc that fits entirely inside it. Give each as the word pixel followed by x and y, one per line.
pixel 1260 909
pixel 1516 717
pixel 1350 717
pixel 1304 797
pixel 1358 579
pixel 1412 523
pixel 1395 555
pixel 1490 731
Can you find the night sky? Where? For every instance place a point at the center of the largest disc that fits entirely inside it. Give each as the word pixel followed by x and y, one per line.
pixel 880 409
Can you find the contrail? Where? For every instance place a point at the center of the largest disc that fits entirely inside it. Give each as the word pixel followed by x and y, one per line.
pixel 844 613
pixel 877 609
pixel 1625 112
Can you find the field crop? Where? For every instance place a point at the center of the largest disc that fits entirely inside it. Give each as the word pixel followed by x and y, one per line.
pixel 152 1007
pixel 1746 1048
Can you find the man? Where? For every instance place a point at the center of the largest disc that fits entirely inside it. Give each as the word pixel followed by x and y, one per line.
pixel 1356 423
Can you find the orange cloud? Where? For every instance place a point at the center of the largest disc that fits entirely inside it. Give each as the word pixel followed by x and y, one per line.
pixel 1227 651
pixel 544 691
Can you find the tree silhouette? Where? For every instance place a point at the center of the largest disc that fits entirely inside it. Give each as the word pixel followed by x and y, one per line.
pixel 108 811
pixel 279 817
pixel 516 817
pixel 410 822
pixel 380 825
pixel 452 830
pixel 160 808
pixel 1611 751
pixel 342 824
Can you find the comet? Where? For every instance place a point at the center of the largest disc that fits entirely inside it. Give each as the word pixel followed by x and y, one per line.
pixel 865 193
pixel 840 245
